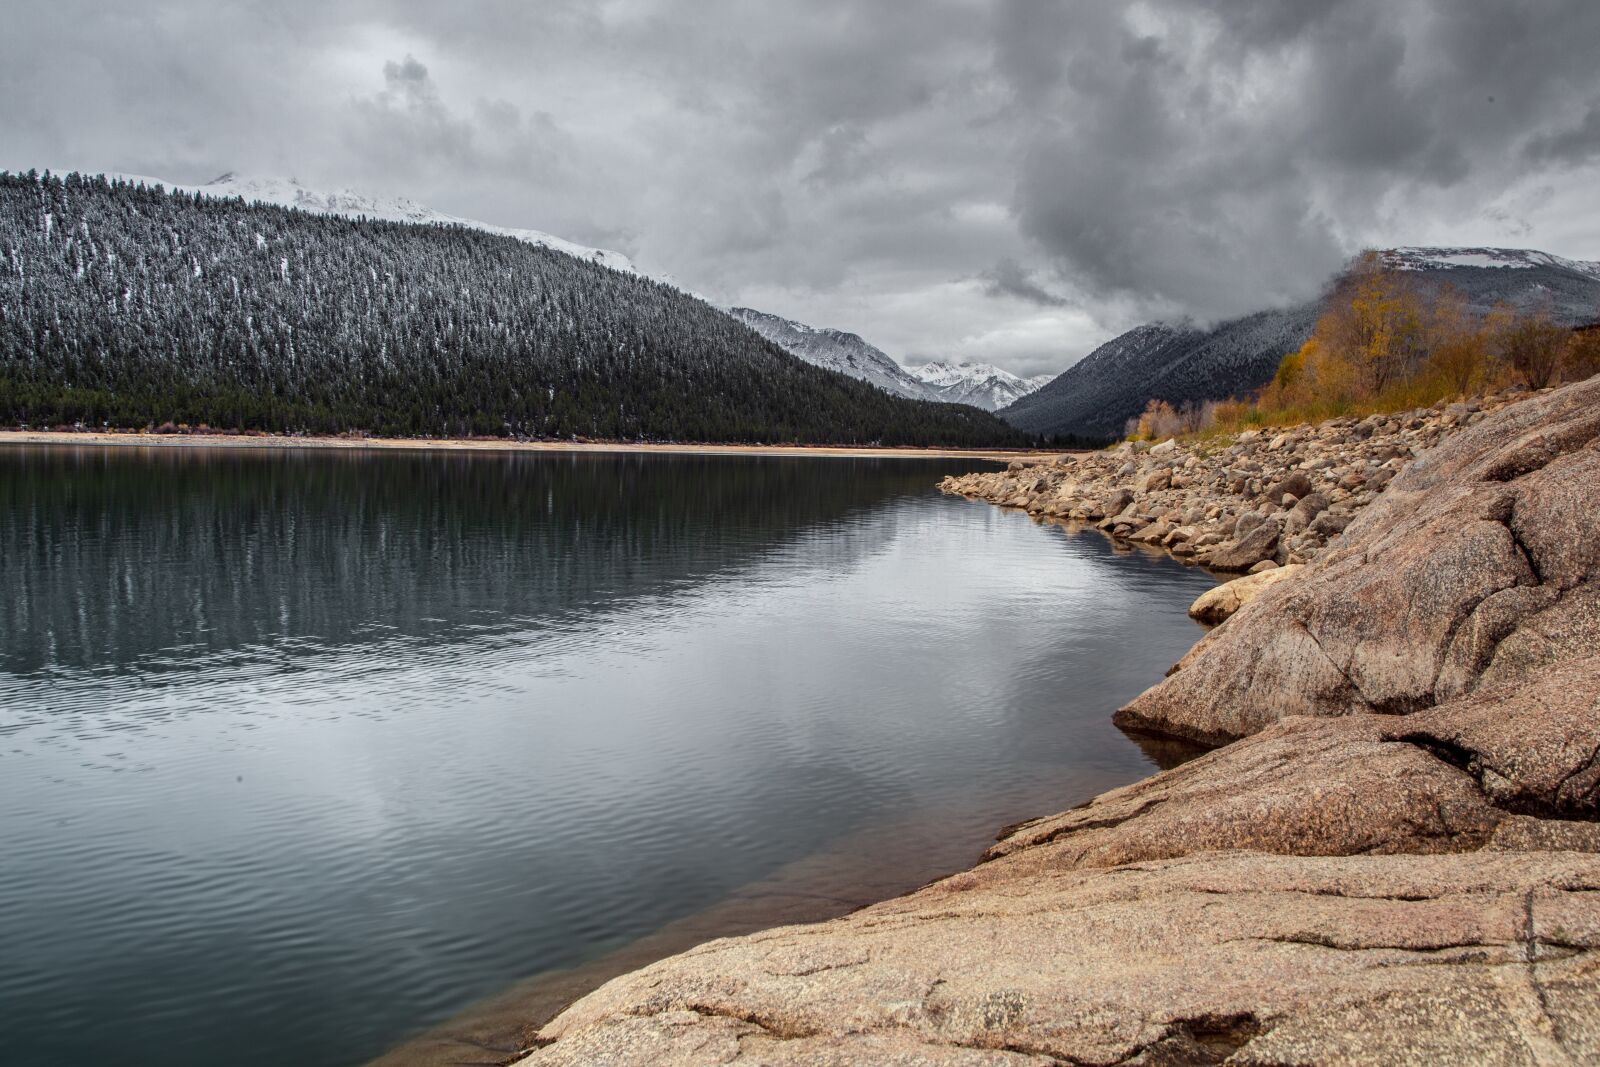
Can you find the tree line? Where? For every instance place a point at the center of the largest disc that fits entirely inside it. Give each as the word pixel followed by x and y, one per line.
pixel 128 306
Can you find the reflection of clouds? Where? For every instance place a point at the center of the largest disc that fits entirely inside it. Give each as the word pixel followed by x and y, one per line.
pixel 415 814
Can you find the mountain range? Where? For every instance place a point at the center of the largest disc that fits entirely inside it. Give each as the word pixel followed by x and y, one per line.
pixel 982 385
pixel 1090 402
pixel 1093 399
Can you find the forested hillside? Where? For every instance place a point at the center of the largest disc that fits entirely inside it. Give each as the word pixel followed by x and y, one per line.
pixel 129 306
pixel 1093 399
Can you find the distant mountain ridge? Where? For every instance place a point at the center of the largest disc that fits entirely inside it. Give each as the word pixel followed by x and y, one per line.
pixel 1435 259
pixel 1093 399
pixel 834 350
pixel 981 385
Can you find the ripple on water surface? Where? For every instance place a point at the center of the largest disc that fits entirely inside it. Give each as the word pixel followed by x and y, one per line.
pixel 301 752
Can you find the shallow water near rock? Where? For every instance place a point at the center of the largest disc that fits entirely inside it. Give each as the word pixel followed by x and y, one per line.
pixel 303 752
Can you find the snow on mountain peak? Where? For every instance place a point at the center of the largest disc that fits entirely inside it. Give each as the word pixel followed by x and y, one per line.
pixel 981 384
pixel 289 192
pixel 834 350
pixel 1424 258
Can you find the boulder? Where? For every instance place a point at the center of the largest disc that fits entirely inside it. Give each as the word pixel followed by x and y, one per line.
pixel 1259 544
pixel 1296 484
pixel 1118 500
pixel 1246 523
pixel 1156 480
pixel 1465 958
pixel 1329 523
pixel 1478 561
pixel 1152 533
pixel 1306 509
pixel 1217 605
pixel 1458 777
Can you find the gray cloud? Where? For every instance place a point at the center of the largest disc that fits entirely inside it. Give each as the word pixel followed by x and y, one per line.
pixel 1578 143
pixel 1011 180
pixel 1210 161
pixel 407 129
pixel 1008 278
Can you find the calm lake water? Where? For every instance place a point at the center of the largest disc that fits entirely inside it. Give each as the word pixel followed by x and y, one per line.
pixel 301 752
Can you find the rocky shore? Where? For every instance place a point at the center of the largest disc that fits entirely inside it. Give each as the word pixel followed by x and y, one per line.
pixel 1258 499
pixel 1394 857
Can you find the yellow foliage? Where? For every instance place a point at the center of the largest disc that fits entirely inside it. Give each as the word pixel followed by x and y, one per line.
pixel 1383 345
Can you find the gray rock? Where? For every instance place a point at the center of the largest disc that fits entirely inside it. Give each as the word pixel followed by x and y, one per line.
pixel 1259 544
pixel 1263 959
pixel 1304 511
pixel 1156 480
pixel 1295 483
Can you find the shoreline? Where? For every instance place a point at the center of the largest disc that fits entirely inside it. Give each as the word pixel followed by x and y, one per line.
pixel 867 867
pixel 1337 879
pixel 1258 500
pixel 139 439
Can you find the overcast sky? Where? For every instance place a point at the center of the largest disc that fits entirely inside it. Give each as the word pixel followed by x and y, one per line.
pixel 1009 180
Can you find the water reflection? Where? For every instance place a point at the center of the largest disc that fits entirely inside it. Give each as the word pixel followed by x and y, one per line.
pixel 302 751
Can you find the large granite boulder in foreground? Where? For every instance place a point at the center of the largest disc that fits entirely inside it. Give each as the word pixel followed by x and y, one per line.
pixel 1512 767
pixel 1479 564
pixel 1481 958
pixel 1354 887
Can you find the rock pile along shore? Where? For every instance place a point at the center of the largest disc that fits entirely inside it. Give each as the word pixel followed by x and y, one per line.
pixel 1253 500
pixel 1396 859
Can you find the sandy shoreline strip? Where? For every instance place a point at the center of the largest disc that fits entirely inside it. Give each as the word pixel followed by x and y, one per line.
pixel 446 444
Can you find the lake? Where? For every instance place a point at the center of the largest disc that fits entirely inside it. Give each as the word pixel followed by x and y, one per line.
pixel 303 751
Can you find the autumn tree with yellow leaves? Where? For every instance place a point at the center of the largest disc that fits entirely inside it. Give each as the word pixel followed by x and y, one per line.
pixel 1386 342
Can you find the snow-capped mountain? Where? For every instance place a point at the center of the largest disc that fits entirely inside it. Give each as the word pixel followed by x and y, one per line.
pixel 1430 259
pixel 1525 278
pixel 836 350
pixel 1178 362
pixel 982 385
pixel 288 192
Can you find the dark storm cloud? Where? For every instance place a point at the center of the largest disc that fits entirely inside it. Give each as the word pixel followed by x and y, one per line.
pixel 1575 144
pixel 1217 158
pixel 1010 278
pixel 1001 179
